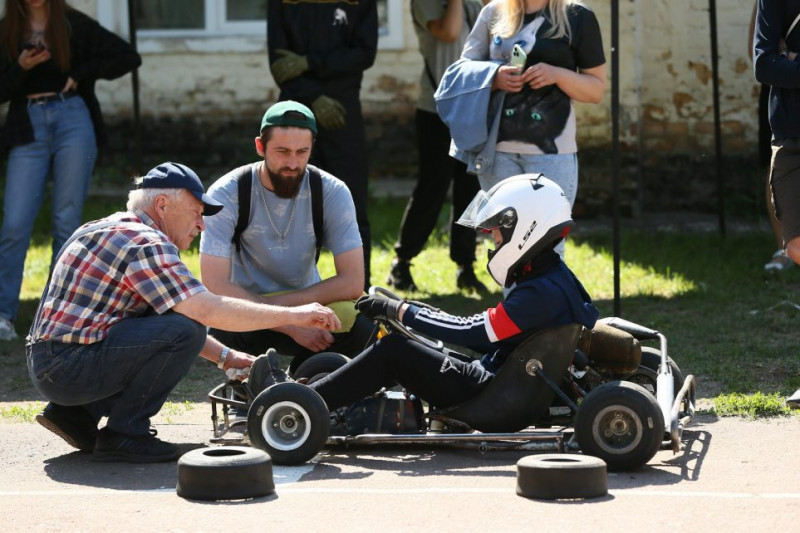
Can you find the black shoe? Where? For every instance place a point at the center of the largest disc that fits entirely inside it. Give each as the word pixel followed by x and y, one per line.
pixel 465 279
pixel 400 275
pixel 74 424
pixel 265 372
pixel 117 447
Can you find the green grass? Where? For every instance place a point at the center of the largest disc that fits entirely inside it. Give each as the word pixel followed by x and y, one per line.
pixel 727 321
pixel 21 413
pixel 750 405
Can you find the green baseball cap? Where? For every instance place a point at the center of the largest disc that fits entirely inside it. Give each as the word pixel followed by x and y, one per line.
pixel 289 113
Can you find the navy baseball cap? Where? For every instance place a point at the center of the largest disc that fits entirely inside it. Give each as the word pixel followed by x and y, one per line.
pixel 177 176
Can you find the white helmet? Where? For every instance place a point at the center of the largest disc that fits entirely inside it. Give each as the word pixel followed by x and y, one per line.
pixel 532 215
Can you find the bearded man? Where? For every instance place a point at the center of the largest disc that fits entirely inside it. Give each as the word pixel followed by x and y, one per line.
pixel 263 246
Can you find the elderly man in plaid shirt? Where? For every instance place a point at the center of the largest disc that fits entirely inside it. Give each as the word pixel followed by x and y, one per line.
pixel 122 319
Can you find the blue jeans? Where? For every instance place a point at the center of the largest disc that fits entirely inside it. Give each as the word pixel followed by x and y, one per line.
pixel 64 145
pixel 561 168
pixel 126 377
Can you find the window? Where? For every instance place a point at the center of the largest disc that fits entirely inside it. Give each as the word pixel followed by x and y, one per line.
pixel 204 16
pixel 218 25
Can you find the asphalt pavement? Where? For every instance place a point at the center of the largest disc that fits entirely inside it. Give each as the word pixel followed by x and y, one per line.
pixel 731 475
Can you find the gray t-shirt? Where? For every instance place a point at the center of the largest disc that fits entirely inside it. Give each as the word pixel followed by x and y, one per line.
pixel 438 54
pixel 268 263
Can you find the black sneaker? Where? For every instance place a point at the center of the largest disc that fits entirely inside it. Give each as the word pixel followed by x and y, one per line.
pixel 114 447
pixel 400 275
pixel 466 279
pixel 265 372
pixel 74 424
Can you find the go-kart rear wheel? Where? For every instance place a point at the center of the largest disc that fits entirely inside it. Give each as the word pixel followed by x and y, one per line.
pixel 555 476
pixel 320 365
pixel 290 422
pixel 647 373
pixel 621 423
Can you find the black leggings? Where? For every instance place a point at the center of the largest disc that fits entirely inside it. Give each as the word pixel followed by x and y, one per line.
pixel 441 379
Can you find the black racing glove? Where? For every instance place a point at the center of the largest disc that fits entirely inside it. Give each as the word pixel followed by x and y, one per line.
pixel 378 307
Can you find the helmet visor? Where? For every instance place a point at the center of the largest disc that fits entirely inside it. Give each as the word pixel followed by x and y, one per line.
pixel 472 216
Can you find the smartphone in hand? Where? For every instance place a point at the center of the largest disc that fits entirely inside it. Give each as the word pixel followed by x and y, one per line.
pixel 518 57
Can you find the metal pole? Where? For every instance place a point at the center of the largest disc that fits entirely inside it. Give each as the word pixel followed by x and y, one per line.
pixel 712 14
pixel 137 129
pixel 615 150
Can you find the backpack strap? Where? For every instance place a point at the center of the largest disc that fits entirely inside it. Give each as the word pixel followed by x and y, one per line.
pixel 245 185
pixel 244 179
pixel 315 182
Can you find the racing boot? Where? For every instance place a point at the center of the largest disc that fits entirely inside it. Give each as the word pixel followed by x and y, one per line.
pixel 265 372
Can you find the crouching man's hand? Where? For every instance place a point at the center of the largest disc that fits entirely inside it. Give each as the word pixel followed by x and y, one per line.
pixel 316 316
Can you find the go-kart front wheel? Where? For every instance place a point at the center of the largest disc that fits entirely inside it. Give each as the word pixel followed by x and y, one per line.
pixel 621 423
pixel 290 422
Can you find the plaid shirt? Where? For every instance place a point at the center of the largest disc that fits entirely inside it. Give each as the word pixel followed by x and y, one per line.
pixel 116 272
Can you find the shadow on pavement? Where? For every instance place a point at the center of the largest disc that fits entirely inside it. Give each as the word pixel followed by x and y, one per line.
pixel 77 468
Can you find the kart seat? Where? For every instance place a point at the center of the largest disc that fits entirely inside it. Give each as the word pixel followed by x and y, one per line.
pixel 517 398
pixel 611 350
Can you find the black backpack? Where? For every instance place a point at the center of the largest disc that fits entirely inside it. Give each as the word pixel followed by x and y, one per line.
pixel 244 178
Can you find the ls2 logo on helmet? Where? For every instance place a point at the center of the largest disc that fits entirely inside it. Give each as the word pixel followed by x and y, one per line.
pixel 527 234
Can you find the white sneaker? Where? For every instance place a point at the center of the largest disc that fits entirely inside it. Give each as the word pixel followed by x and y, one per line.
pixel 793 401
pixel 7 332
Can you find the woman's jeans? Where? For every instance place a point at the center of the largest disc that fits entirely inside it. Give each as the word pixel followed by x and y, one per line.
pixel 65 146
pixel 127 376
pixel 561 168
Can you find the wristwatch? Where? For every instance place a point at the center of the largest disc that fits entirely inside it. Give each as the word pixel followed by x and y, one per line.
pixel 223 357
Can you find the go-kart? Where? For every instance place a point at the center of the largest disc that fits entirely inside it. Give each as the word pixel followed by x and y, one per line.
pixel 565 389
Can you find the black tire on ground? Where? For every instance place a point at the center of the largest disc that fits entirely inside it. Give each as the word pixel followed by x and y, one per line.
pixel 647 373
pixel 290 422
pixel 620 422
pixel 225 473
pixel 557 476
pixel 319 365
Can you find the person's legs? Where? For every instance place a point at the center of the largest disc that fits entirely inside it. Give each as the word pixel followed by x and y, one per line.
pixel 343 153
pixel 126 377
pixel 785 192
pixel 560 168
pixel 258 342
pixel 74 155
pixel 439 379
pixel 425 204
pixel 462 239
pixel 505 165
pixel 28 168
pixel 433 180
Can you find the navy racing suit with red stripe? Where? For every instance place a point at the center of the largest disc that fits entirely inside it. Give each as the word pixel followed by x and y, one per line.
pixel 553 297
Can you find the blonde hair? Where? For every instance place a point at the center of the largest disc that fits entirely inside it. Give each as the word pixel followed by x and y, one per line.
pixel 510 14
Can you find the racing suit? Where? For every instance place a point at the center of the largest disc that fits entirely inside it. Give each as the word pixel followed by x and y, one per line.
pixel 551 297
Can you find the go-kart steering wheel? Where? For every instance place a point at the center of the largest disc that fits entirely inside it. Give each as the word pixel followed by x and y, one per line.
pixel 398 326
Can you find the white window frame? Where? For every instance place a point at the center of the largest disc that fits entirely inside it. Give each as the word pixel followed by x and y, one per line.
pixel 222 36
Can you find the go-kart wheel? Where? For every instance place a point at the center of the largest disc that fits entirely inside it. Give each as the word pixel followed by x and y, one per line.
pixel 556 476
pixel 225 473
pixel 290 422
pixel 647 373
pixel 320 365
pixel 621 423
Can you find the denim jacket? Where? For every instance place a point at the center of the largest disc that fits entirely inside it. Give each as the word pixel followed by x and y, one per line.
pixel 466 103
